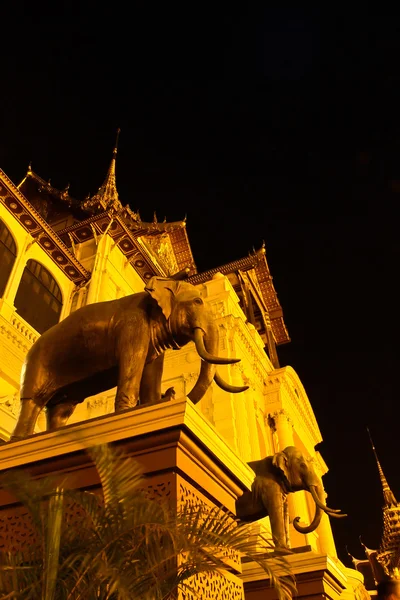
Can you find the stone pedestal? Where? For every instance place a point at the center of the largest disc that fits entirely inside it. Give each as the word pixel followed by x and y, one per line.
pixel 182 456
pixel 316 575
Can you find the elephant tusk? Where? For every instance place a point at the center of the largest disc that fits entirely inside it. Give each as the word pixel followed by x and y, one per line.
pixel 202 352
pixel 332 512
pixel 227 387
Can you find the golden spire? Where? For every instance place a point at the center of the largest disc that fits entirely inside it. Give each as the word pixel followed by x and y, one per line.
pixel 388 495
pixel 106 197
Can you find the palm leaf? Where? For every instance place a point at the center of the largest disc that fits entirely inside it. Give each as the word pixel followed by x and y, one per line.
pixel 120 476
pixel 52 544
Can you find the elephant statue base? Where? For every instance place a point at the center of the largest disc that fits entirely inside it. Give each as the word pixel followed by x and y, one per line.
pixel 276 477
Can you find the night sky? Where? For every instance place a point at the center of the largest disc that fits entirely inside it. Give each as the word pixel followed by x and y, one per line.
pixel 276 125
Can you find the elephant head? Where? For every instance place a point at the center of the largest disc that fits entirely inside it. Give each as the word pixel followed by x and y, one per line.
pixel 296 473
pixel 186 317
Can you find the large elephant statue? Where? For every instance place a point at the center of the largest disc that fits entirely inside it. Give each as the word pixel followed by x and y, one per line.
pixel 276 477
pixel 118 343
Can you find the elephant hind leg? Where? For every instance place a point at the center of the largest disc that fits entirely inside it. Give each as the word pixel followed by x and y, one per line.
pixel 57 415
pixel 29 412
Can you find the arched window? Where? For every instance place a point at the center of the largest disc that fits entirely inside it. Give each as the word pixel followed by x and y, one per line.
pixel 38 298
pixel 8 252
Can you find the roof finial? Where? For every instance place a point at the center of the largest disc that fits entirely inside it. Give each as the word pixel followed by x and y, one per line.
pixel 116 143
pixel 388 495
pixel 107 194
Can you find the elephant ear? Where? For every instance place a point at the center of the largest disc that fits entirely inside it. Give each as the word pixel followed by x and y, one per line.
pixel 281 462
pixel 163 290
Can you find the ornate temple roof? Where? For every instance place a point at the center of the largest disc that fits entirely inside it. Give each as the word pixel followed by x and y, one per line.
pixel 163 243
pixel 389 549
pixel 385 561
pixel 47 199
pixel 76 221
pixel 257 261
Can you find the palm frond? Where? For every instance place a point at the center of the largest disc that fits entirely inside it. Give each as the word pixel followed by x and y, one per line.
pixel 52 543
pixel 120 476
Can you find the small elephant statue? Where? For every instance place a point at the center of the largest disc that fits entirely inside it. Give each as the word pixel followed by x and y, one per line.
pixel 276 477
pixel 118 343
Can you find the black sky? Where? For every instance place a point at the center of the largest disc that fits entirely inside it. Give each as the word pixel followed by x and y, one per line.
pixel 276 125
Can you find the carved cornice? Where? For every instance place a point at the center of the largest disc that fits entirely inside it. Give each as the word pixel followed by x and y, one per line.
pixel 40 230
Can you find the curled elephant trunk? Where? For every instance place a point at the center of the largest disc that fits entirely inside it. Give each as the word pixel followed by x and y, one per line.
pixel 317 492
pixel 206 349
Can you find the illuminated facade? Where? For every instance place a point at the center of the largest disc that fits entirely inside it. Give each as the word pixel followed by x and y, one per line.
pixel 58 254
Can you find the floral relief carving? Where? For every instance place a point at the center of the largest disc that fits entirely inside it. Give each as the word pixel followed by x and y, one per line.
pixel 188 495
pixel 210 586
pixel 162 247
pixel 11 403
pixel 16 530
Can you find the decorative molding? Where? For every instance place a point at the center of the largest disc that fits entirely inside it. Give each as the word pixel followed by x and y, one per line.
pixel 10 403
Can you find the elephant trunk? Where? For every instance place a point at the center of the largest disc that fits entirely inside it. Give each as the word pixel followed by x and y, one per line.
pixel 207 347
pixel 319 492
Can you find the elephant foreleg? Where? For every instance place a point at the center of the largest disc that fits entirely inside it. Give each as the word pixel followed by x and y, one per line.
pixel 150 385
pixel 274 499
pixel 132 351
pixel 278 520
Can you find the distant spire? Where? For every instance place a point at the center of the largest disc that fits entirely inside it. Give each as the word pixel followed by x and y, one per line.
pixel 388 495
pixel 107 194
